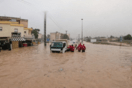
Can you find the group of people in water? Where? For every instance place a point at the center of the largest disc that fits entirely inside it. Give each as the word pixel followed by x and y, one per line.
pixel 79 48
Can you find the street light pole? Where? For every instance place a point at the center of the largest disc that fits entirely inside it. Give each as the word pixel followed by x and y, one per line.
pixel 79 38
pixel 82 30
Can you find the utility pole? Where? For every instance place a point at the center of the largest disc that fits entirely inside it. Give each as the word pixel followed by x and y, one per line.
pixel 66 32
pixel 45 29
pixel 79 38
pixel 82 30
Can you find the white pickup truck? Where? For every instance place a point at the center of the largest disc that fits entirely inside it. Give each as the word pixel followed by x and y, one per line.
pixel 59 45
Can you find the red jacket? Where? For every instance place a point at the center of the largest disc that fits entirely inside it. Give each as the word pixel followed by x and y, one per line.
pixel 79 44
pixel 69 46
pixel 79 47
pixel 72 48
pixel 83 47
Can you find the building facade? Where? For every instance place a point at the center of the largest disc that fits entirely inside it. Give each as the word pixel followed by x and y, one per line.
pixel 8 28
pixel 14 29
pixel 15 19
pixel 56 35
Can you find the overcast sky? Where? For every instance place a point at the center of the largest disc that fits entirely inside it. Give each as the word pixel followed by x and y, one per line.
pixel 101 17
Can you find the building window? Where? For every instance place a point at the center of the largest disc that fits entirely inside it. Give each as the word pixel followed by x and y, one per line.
pixel 15 30
pixel 24 31
pixel 0 28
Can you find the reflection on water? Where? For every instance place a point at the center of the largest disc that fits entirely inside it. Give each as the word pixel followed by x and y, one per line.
pixel 101 66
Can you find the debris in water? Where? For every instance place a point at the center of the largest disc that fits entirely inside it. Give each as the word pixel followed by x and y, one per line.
pixel 98 71
pixel 61 69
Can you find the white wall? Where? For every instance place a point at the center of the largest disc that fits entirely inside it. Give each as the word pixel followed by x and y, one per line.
pixel 93 40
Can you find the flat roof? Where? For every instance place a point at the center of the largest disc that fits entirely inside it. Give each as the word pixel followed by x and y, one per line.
pixel 7 17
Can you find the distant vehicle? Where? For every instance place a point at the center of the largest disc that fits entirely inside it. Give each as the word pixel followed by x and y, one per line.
pixel 59 45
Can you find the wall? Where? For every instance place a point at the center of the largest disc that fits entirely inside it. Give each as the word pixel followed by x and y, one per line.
pixel 39 36
pixel 52 36
pixel 68 35
pixel 56 35
pixel 5 30
pixel 24 22
pixel 93 40
pixel 29 32
pixel 20 30
pixel 26 32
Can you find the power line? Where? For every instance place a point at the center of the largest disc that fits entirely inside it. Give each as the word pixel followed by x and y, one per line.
pixel 24 2
pixel 48 15
pixel 28 3
pixel 55 22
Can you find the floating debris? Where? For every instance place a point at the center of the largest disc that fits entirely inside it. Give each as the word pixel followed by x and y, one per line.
pixel 60 69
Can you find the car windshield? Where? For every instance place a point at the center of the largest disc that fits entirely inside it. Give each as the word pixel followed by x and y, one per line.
pixel 56 44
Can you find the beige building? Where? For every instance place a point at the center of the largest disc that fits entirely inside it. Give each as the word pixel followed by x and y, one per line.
pixel 14 24
pixel 8 28
pixel 15 19
pixel 15 29
pixel 27 31
pixel 56 35
pixel 40 36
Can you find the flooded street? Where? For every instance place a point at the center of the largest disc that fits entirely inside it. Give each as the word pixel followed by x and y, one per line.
pixel 101 66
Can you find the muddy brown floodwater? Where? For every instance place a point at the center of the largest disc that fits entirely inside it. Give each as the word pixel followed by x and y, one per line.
pixel 101 66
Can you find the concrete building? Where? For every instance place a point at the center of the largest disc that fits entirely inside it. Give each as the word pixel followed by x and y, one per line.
pixel 39 36
pixel 15 19
pixel 93 40
pixel 8 28
pixel 15 29
pixel 11 31
pixel 56 35
pixel 18 21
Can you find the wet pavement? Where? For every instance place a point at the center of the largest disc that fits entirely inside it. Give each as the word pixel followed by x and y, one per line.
pixel 101 66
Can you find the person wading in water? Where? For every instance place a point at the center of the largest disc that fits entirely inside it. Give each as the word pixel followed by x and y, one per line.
pixel 79 47
pixel 83 48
